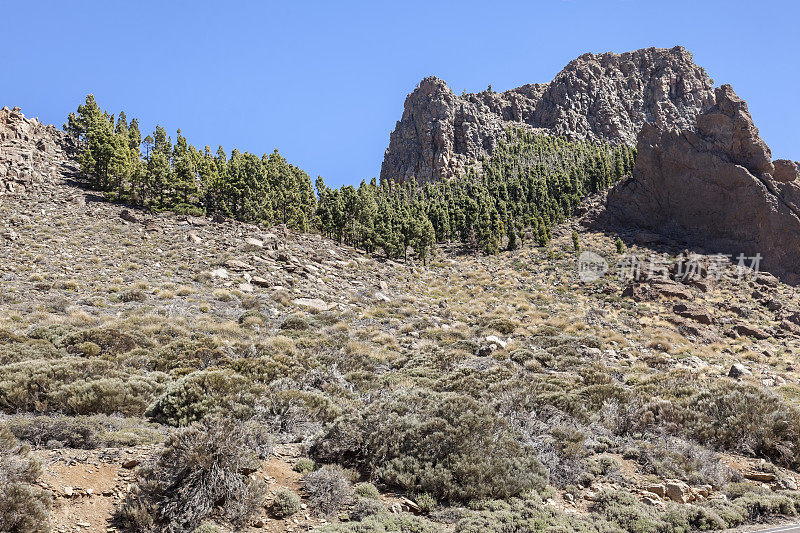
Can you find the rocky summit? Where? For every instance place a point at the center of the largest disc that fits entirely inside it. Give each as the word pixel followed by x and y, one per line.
pixel 599 97
pixel 714 185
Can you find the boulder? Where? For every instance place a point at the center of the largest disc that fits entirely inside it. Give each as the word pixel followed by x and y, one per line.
pixel 678 491
pixel 695 312
pixel 315 305
pixel 738 370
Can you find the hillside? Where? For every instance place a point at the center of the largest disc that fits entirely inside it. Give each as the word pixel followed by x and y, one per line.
pixel 172 370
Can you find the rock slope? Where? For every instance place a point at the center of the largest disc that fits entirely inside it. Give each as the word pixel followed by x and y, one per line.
pixel 607 96
pixel 30 152
pixel 715 186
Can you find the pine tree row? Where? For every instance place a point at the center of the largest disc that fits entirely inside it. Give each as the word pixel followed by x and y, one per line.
pixel 529 183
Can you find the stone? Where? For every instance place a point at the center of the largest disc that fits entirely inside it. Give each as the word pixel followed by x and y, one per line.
pixel 738 370
pixel 260 282
pixel 382 297
pixel 68 492
pixel 761 477
pixel 238 266
pixel 254 243
pixel 192 236
pixel 494 339
pixel 678 491
pixel 598 97
pixel 315 305
pixel 748 330
pixel 656 488
pixel 719 160
pixel 130 463
pixel 694 312
pixel 127 216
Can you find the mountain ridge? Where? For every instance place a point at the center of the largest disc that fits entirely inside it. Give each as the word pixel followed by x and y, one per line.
pixel 596 96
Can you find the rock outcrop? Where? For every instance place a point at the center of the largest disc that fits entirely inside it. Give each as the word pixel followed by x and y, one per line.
pixel 714 186
pixel 30 152
pixel 605 97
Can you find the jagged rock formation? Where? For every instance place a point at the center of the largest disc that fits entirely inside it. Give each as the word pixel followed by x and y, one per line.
pixel 607 97
pixel 715 186
pixel 30 152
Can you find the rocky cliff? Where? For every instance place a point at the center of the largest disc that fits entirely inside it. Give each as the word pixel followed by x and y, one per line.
pixel 30 152
pixel 714 185
pixel 607 96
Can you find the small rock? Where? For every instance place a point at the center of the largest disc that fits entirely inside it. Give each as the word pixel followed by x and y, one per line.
pixel 738 370
pixel 131 463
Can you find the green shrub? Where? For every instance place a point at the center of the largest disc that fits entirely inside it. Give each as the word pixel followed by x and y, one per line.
pixel 386 523
pixel 24 507
pixel 304 466
pixel 201 393
pixel 367 490
pixel 426 503
pixel 503 325
pixel 202 470
pixel 77 386
pixel 448 445
pixel 285 504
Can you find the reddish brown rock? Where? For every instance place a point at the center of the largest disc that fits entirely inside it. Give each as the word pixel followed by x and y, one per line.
pixel 785 170
pixel 712 187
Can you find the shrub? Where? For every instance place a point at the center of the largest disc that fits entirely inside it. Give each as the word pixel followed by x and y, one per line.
pixel 385 523
pixel 202 469
pixel 199 394
pixel 77 386
pixel 24 507
pixel 295 323
pixel 83 432
pixel 367 490
pixel 746 419
pixel 426 503
pixel 304 466
pixel 365 507
pixel 286 503
pixel 448 445
pixel 329 488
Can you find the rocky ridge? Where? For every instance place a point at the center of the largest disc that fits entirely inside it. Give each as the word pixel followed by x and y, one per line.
pixel 714 185
pixel 603 97
pixel 30 152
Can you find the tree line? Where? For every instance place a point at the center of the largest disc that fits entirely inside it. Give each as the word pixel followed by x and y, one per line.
pixel 529 183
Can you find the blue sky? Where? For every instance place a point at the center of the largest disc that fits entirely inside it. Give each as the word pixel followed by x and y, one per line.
pixel 324 82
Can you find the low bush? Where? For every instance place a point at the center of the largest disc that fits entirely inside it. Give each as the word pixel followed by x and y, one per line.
pixel 448 445
pixel 202 393
pixel 24 507
pixel 83 432
pixel 77 386
pixel 203 469
pixel 367 490
pixel 329 488
pixel 386 523
pixel 285 504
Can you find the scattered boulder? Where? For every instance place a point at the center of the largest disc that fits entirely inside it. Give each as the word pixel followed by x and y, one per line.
pixel 695 312
pixel 748 330
pixel 238 266
pixel 678 491
pixel 127 216
pixel 192 236
pixel 738 370
pixel 315 305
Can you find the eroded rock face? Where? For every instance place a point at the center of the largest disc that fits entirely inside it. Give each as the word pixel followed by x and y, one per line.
pixel 606 97
pixel 30 152
pixel 714 186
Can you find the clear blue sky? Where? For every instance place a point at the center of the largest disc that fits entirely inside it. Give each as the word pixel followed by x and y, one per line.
pixel 324 82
